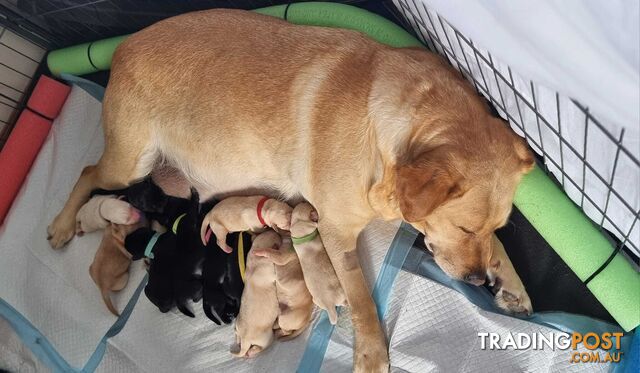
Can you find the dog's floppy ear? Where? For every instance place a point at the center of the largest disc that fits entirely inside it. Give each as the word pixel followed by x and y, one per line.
pixel 424 184
pixel 524 154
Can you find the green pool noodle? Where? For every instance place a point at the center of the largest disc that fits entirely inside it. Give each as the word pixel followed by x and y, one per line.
pixel 562 224
pixel 102 51
pixel 72 60
pixel 84 58
pixel 581 245
pixel 75 60
pixel 345 16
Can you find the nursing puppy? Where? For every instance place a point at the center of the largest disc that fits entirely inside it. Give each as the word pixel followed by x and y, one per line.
pixel 294 299
pixel 238 214
pixel 222 278
pixel 317 269
pixel 99 211
pixel 259 307
pixel 110 267
pixel 159 289
pixel 187 269
pixel 151 199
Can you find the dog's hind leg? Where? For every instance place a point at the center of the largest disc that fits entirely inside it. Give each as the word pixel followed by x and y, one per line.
pixel 128 155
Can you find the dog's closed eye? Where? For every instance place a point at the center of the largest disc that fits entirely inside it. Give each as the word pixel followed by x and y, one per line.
pixel 466 230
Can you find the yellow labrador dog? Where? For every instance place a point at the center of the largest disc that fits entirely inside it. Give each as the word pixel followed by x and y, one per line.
pixel 239 101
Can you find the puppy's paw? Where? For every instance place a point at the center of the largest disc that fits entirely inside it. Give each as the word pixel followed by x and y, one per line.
pixel 79 231
pixel 513 300
pixel 278 257
pixel 61 231
pixel 119 212
pixel 226 248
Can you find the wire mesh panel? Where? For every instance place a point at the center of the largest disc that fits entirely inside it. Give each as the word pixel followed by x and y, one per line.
pixel 598 169
pixel 19 62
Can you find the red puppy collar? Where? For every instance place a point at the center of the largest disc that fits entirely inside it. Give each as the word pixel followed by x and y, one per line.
pixel 259 210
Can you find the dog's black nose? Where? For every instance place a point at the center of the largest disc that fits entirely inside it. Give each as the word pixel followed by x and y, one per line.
pixel 475 278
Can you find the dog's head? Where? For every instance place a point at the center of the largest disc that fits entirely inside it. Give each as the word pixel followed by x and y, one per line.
pixel 459 191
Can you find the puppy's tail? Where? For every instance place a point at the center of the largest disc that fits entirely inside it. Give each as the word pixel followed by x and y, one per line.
pixel 333 314
pixel 185 310
pixel 286 337
pixel 210 312
pixel 107 300
pixel 194 202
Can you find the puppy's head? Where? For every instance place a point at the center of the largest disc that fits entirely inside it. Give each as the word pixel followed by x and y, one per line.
pixel 279 215
pixel 459 192
pixel 267 240
pixel 304 219
pixel 147 196
pixel 136 242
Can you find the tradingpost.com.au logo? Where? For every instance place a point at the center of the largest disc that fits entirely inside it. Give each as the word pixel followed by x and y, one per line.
pixel 600 348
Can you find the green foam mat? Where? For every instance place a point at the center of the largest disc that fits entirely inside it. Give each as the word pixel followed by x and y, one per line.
pixel 571 234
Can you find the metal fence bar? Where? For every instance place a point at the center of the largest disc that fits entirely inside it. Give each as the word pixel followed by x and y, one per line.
pixel 560 134
pixel 584 153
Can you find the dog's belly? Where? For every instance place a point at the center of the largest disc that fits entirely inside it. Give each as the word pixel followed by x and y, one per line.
pixel 219 173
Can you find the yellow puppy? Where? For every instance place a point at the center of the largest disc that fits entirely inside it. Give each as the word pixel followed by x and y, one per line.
pixel 259 304
pixel 238 214
pixel 318 271
pixel 294 299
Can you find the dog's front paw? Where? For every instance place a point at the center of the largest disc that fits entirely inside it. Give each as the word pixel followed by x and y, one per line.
pixel 514 300
pixel 61 231
pixel 371 357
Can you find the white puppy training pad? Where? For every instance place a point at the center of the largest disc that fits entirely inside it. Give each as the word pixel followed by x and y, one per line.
pixel 53 289
pixel 430 327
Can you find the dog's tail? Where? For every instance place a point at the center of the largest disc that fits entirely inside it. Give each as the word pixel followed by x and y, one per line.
pixel 107 300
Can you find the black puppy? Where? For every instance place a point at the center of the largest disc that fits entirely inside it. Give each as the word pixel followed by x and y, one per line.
pixel 161 248
pixel 187 269
pixel 222 282
pixel 149 198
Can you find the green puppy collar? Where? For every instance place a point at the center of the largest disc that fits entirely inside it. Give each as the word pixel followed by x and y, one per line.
pixel 304 239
